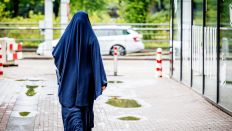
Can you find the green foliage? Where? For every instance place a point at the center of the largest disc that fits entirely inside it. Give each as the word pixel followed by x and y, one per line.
pixel 23 7
pixel 159 17
pixel 89 6
pixel 211 13
pixel 32 18
pixel 99 17
pixel 130 11
pixel 155 45
pixel 2 10
pixel 135 11
pixel 225 19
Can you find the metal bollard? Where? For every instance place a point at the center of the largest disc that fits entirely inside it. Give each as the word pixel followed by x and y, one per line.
pixel 159 62
pixel 115 61
pixel 1 62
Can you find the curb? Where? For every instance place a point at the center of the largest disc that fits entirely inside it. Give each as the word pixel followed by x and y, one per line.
pixel 37 58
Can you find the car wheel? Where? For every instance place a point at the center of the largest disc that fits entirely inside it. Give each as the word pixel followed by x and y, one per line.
pixel 121 50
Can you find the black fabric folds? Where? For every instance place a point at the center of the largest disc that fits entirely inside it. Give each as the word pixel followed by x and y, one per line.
pixel 80 70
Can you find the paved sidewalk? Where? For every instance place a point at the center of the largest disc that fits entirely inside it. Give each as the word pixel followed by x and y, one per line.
pixel 166 104
pixel 8 90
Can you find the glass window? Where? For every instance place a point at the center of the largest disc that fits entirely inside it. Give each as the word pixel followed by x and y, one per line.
pixel 198 12
pixel 111 32
pixel 125 32
pixel 100 32
pixel 176 39
pixel 225 89
pixel 210 50
pixel 197 46
pixel 186 44
pixel 211 13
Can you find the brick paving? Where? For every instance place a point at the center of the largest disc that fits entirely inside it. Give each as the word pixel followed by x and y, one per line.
pixel 8 97
pixel 166 104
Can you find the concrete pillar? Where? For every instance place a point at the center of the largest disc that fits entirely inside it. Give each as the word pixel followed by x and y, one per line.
pixel 48 27
pixel 64 8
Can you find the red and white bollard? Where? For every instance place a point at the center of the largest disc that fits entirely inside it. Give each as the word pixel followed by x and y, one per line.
pixel 19 50
pixel 159 62
pixel 14 51
pixel 115 61
pixel 1 62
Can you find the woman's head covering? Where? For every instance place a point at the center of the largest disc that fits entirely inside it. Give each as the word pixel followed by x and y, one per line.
pixel 77 57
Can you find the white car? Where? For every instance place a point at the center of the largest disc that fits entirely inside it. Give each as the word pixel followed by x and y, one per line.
pixel 125 38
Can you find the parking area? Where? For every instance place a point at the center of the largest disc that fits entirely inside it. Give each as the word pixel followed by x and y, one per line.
pixel 29 100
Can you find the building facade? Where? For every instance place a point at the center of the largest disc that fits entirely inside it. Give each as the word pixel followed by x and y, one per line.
pixel 201 41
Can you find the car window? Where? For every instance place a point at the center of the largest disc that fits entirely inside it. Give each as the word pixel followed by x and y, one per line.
pixel 99 32
pixel 117 32
pixel 125 32
pixel 110 32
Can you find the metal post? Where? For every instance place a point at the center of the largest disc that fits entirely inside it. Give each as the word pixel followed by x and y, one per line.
pixel 181 39
pixel 191 46
pixel 64 13
pixel 48 27
pixel 115 61
pixel 218 45
pixel 1 63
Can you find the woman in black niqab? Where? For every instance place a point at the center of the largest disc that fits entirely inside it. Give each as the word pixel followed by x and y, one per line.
pixel 80 73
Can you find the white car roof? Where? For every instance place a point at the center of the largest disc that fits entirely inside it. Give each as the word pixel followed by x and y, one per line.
pixel 110 27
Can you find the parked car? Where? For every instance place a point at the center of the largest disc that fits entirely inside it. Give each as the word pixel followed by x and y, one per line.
pixel 125 38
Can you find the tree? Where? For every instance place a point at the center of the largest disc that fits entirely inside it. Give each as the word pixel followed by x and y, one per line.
pixel 135 11
pixel 23 7
pixel 87 5
pixel 56 6
pixel 2 10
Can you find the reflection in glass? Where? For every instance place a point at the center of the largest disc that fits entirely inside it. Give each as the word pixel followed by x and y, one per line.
pixel 211 13
pixel 210 50
pixel 186 44
pixel 197 45
pixel 198 12
pixel 176 38
pixel 225 89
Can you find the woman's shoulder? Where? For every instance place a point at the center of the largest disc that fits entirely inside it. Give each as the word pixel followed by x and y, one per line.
pixel 93 39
